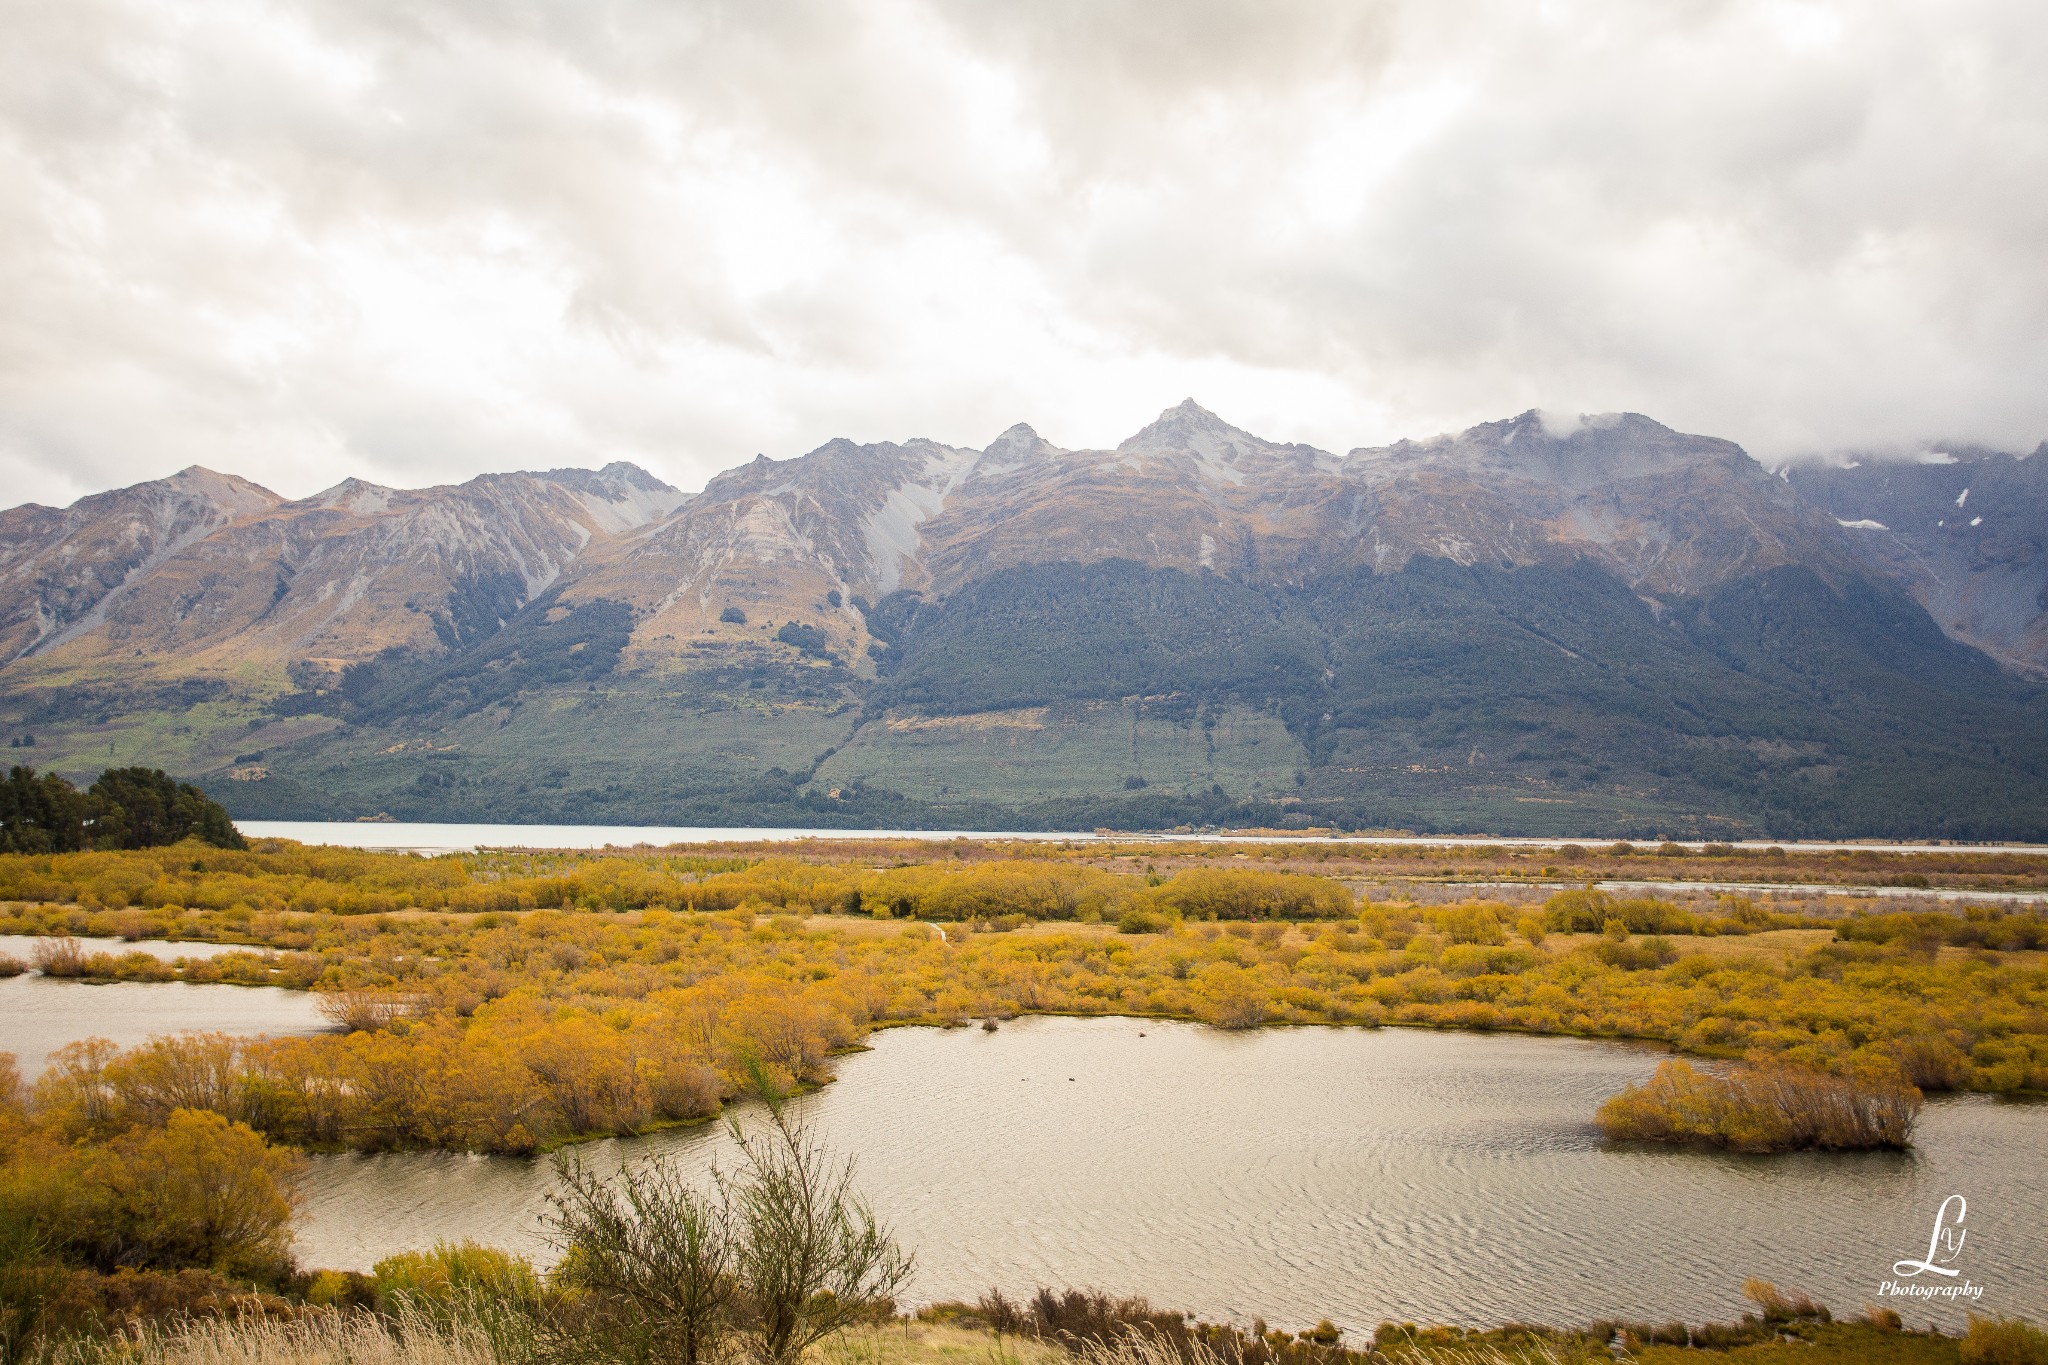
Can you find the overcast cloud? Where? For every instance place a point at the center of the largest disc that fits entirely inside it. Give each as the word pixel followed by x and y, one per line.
pixel 414 240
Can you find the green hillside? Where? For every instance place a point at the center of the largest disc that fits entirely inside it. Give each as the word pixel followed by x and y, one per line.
pixel 1549 699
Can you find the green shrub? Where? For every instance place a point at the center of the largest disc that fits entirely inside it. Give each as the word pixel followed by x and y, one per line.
pixel 1587 911
pixel 341 1289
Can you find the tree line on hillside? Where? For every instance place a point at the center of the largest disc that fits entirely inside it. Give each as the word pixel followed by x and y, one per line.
pixel 124 808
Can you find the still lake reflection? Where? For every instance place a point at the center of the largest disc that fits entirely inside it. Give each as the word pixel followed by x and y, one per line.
pixel 1298 1173
pixel 38 1015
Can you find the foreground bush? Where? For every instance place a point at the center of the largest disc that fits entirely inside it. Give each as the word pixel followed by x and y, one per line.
pixel 438 1282
pixel 773 1259
pixel 1103 1329
pixel 42 1303
pixel 1763 1109
pixel 2004 1341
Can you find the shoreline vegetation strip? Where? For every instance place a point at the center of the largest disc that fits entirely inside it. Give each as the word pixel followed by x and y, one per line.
pixel 508 1003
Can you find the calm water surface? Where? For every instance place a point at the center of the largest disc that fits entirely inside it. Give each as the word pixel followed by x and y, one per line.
pixel 449 838
pixel 1298 1173
pixel 39 1015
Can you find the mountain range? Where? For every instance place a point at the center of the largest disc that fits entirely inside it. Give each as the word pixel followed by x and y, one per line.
pixel 1594 625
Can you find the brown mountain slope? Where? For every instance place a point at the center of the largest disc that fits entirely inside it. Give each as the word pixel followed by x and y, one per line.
pixel 204 572
pixel 776 541
pixel 334 578
pixel 62 571
pixel 1188 492
pixel 779 540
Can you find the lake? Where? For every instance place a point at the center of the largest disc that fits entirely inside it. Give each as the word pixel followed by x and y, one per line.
pixel 1300 1173
pixel 38 1015
pixel 462 838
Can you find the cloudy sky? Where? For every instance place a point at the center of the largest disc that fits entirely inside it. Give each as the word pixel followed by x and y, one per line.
pixel 413 240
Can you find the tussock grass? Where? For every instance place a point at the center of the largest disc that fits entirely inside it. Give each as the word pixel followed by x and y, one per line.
pixel 322 1337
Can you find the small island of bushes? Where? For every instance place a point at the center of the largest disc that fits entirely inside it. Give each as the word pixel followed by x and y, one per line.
pixel 1768 1108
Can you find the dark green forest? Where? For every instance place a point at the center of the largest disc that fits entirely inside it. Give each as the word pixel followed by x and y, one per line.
pixel 123 808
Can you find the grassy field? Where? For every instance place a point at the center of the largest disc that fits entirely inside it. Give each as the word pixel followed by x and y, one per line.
pixel 555 757
pixel 1068 749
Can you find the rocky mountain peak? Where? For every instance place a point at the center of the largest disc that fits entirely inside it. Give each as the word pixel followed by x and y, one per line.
pixel 1221 454
pixel 60 570
pixel 1568 453
pixel 1186 427
pixel 628 474
pixel 620 478
pixel 229 491
pixel 1021 444
pixel 621 496
pixel 357 496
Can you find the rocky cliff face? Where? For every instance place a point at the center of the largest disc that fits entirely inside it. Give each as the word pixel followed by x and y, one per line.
pixel 210 573
pixel 61 571
pixel 1965 531
pixel 1667 513
pixel 776 540
pixel 205 568
pixel 1188 492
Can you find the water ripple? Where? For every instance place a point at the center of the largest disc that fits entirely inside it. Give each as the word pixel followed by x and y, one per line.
pixel 1301 1173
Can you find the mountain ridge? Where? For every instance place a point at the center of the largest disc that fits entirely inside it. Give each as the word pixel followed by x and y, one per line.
pixel 1966 535
pixel 1196 621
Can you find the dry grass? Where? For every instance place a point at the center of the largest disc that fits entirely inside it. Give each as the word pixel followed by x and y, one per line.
pixel 1143 1349
pixel 361 1338
pixel 323 1338
pixel 906 1342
